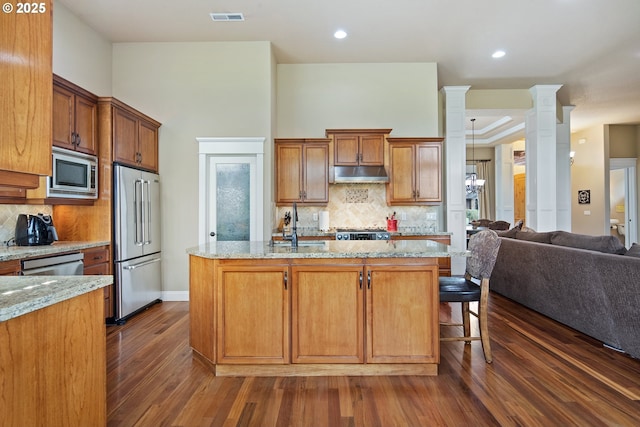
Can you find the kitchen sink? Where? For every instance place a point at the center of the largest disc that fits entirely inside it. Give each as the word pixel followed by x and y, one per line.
pixel 301 243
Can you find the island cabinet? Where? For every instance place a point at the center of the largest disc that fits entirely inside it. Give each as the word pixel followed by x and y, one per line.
pixel 415 171
pixel 25 99
pixel 75 117
pixel 358 147
pixel 316 316
pixel 302 171
pixel 253 313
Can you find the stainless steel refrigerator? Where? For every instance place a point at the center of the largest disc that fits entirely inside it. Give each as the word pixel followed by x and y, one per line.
pixel 137 248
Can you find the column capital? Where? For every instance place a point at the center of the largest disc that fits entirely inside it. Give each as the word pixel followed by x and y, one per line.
pixel 452 89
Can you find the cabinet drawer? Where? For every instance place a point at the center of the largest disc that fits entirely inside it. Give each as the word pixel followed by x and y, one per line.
pixel 9 268
pixel 95 256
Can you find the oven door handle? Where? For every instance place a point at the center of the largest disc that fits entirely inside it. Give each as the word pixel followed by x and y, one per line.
pixel 142 264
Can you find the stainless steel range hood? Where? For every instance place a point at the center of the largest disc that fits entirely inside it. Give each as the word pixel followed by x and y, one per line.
pixel 360 175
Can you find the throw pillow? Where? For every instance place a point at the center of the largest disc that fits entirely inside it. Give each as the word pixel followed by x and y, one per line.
pixel 511 234
pixel 606 244
pixel 634 250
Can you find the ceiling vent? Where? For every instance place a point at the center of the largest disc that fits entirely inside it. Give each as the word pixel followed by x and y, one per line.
pixel 227 16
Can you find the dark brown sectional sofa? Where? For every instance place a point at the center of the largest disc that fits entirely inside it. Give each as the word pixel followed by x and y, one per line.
pixel 590 283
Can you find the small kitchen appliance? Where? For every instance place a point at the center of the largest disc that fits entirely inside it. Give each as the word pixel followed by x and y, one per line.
pixel 35 230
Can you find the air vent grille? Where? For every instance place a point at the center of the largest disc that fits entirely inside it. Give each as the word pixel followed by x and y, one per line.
pixel 227 17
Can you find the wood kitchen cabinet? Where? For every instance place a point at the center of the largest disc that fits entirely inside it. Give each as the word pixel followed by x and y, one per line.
pixel 302 171
pixel 134 136
pixel 97 262
pixel 25 99
pixel 415 171
pixel 10 268
pixel 402 313
pixel 327 313
pixel 253 313
pixel 358 147
pixel 75 117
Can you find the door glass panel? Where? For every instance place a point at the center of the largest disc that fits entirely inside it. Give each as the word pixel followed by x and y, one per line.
pixel 233 182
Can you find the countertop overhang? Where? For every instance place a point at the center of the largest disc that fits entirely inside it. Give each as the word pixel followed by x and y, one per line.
pixel 20 295
pixel 327 249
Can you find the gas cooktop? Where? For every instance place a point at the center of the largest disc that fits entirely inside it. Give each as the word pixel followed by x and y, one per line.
pixel 362 234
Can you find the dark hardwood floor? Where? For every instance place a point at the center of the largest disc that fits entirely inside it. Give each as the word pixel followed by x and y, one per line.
pixel 543 374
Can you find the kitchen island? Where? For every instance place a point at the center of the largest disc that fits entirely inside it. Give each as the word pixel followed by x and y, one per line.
pixel 53 358
pixel 324 308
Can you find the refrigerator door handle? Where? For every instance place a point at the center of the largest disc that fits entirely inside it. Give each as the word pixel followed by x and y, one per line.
pixel 147 211
pixel 142 264
pixel 137 212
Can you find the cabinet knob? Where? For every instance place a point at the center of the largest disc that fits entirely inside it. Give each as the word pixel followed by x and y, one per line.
pixel 212 234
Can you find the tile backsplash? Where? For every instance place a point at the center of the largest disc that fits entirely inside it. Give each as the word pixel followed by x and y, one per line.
pixel 9 215
pixel 365 206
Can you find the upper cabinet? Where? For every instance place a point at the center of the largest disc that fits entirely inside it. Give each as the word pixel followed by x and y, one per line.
pixel 358 147
pixel 134 136
pixel 415 171
pixel 25 96
pixel 302 171
pixel 75 117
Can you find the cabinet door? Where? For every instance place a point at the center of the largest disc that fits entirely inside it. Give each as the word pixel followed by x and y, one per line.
pixel 428 173
pixel 125 137
pixel 253 315
pixel 288 173
pixel 26 91
pixel 346 150
pixel 148 145
pixel 86 125
pixel 316 174
pixel 402 314
pixel 401 187
pixel 327 314
pixel 372 150
pixel 63 117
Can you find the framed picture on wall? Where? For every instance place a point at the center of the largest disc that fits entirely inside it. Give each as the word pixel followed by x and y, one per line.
pixel 584 197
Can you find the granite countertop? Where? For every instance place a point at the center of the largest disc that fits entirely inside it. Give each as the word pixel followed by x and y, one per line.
pixel 21 295
pixel 327 249
pixel 9 253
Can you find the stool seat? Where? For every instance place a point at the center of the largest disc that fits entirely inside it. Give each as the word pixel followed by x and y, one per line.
pixel 458 289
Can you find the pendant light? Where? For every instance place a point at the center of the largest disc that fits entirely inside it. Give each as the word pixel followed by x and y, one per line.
pixel 472 182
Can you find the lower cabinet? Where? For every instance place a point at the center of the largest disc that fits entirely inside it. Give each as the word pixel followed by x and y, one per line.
pixel 10 268
pixel 253 313
pixel 97 262
pixel 379 314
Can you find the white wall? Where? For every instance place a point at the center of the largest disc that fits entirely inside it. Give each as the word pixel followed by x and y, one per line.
pixel 80 54
pixel 315 97
pixel 195 90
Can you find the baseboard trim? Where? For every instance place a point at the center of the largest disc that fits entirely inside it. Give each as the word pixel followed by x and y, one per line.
pixel 175 295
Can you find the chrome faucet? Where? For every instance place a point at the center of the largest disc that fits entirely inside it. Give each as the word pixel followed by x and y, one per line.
pixel 294 230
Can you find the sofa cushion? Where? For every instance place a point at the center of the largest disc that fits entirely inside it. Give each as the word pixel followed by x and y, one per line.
pixel 534 236
pixel 634 250
pixel 605 244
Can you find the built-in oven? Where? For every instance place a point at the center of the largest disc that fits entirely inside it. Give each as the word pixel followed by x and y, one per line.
pixel 74 175
pixel 56 265
pixel 362 234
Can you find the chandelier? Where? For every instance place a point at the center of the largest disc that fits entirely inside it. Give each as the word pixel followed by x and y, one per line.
pixel 472 183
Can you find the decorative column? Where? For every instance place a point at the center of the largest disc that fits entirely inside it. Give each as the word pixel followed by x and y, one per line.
pixel 563 170
pixel 504 183
pixel 541 159
pixel 455 167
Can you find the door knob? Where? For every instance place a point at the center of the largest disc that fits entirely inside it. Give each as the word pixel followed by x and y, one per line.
pixel 212 234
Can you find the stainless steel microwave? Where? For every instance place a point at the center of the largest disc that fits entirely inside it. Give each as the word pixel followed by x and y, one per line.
pixel 75 175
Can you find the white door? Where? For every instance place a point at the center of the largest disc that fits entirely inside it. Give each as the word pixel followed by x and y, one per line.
pixel 231 199
pixel 630 200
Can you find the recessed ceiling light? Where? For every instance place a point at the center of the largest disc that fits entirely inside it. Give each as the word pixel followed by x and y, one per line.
pixel 498 54
pixel 227 16
pixel 340 34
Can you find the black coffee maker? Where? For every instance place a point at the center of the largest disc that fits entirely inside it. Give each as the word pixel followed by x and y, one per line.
pixel 34 230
